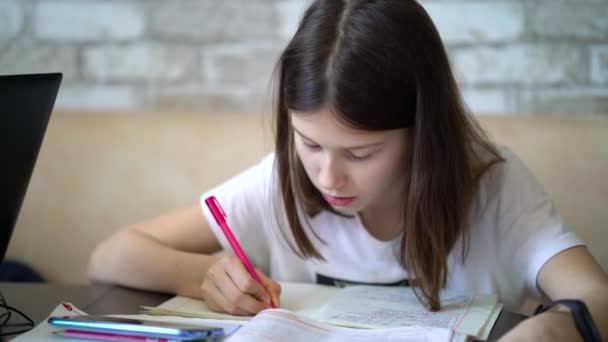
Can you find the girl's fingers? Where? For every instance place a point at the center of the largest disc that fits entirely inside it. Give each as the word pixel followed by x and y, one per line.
pixel 217 302
pixel 236 286
pixel 273 288
pixel 246 284
pixel 212 305
pixel 228 287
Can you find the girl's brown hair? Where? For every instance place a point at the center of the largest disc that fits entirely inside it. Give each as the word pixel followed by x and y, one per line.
pixel 381 65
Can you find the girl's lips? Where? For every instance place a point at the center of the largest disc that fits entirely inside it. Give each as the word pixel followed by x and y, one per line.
pixel 338 201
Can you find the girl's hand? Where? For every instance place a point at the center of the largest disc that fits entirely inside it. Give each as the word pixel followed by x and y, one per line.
pixel 548 326
pixel 228 287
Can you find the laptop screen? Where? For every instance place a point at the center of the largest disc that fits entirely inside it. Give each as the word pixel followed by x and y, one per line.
pixel 26 102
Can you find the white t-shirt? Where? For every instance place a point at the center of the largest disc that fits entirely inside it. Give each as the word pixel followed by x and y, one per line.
pixel 515 229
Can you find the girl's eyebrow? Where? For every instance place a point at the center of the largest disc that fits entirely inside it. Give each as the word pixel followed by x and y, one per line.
pixel 358 147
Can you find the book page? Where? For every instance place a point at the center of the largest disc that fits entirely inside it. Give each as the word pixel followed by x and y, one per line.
pixel 283 325
pixel 382 307
pixel 487 328
pixel 301 298
pixel 188 307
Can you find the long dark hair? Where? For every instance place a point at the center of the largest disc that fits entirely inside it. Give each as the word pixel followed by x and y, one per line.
pixel 380 65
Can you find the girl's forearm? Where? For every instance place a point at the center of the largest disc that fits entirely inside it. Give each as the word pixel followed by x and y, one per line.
pixel 132 259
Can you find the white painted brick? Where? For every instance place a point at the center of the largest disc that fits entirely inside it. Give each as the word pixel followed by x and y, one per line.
pixel 140 61
pixel 90 20
pixel 290 13
pixel 485 101
pixel 249 64
pixel 30 57
pixel 197 97
pixel 477 21
pixel 527 64
pixel 11 18
pixel 214 20
pixel 564 101
pixel 74 97
pixel 599 64
pixel 569 19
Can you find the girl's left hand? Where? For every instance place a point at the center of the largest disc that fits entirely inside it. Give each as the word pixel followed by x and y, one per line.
pixel 548 326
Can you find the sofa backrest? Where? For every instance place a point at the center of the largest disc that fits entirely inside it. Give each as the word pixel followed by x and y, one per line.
pixel 98 172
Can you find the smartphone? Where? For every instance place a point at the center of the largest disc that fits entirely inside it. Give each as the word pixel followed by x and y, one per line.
pixel 136 327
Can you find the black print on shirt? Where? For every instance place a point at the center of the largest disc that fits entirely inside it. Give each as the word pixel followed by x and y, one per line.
pixel 326 280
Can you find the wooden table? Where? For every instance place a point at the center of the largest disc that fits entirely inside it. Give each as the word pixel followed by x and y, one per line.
pixel 38 300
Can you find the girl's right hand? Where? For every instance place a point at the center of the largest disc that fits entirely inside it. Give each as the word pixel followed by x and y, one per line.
pixel 228 287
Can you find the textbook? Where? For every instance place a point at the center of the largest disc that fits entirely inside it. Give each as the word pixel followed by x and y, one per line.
pixel 360 306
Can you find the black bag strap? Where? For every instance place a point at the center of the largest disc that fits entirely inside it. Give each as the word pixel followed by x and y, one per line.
pixel 582 318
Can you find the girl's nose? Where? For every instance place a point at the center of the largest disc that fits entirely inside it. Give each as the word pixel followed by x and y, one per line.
pixel 331 175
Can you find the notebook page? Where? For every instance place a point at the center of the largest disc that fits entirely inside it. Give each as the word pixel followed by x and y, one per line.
pixel 382 307
pixel 282 325
pixel 188 307
pixel 301 298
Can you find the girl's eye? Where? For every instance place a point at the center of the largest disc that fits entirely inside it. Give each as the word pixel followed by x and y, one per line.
pixel 313 147
pixel 358 157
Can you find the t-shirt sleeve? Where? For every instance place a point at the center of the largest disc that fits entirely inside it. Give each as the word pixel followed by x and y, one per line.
pixel 531 230
pixel 245 199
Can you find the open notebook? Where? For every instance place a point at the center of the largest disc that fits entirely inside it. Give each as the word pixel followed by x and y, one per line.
pixel 370 307
pixel 269 325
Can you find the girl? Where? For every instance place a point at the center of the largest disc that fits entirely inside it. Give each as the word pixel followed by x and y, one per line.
pixel 379 176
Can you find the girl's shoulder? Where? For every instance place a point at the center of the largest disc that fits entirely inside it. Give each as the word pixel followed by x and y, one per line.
pixel 263 169
pixel 267 162
pixel 507 189
pixel 509 174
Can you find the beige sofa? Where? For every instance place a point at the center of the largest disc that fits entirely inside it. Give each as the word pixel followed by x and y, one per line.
pixel 98 171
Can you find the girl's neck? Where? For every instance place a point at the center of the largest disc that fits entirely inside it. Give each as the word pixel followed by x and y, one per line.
pixel 384 222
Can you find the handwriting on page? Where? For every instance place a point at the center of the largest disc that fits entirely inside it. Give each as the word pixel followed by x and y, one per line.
pixel 374 307
pixel 281 325
pixel 394 318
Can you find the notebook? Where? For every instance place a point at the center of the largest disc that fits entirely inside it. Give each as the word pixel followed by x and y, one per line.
pixel 364 307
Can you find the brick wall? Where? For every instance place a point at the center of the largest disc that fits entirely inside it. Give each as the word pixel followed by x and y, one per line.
pixel 510 56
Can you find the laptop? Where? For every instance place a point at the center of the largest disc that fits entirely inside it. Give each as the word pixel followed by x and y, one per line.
pixel 26 102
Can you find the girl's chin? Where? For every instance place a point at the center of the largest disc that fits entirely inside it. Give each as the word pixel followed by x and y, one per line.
pixel 348 211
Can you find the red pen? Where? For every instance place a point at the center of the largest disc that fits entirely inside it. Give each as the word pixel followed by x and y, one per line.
pixel 103 336
pixel 220 217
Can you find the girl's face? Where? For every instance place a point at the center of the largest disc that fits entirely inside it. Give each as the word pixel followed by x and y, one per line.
pixel 355 170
